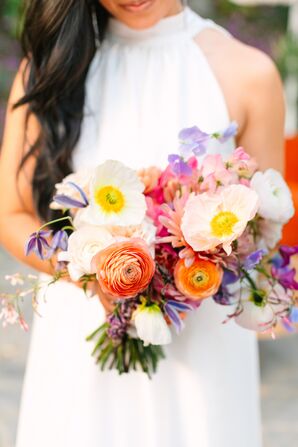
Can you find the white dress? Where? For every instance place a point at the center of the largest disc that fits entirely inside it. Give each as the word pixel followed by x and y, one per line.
pixel 142 88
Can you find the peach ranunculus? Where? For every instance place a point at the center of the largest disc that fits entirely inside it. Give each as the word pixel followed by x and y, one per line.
pixel 198 281
pixel 124 269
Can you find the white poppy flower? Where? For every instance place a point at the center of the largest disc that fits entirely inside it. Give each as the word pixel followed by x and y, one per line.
pixel 116 196
pixel 274 196
pixel 151 326
pixel 83 244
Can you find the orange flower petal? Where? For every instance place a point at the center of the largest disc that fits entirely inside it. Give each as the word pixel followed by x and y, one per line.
pixel 124 269
pixel 198 281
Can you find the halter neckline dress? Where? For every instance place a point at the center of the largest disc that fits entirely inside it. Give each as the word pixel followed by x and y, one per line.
pixel 143 86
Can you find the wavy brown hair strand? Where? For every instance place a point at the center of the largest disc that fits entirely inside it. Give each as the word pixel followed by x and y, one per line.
pixel 59 40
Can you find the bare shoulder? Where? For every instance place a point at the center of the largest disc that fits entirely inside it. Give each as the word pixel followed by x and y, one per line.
pixel 244 73
pixel 248 61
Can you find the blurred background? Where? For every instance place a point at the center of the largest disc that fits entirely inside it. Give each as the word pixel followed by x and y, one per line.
pixel 272 27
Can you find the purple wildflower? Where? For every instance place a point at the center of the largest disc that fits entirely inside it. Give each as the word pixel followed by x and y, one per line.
pixel 69 202
pixel 172 309
pixel 38 244
pixel 254 259
pixel 178 165
pixel 60 240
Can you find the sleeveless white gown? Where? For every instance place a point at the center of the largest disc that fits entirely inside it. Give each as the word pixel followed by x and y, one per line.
pixel 142 88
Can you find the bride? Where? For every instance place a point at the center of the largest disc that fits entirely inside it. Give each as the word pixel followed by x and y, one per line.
pixel 118 79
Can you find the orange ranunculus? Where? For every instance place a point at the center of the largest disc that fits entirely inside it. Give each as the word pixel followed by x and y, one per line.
pixel 124 269
pixel 201 280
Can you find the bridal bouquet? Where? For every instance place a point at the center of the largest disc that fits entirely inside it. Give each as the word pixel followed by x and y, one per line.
pixel 155 244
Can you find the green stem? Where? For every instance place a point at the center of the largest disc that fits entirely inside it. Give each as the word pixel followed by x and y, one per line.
pixel 248 278
pixel 53 222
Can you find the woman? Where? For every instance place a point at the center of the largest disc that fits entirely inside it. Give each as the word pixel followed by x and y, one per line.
pixel 118 79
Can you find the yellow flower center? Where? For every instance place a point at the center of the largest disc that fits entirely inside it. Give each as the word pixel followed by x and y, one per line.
pixel 199 278
pixel 110 199
pixel 223 223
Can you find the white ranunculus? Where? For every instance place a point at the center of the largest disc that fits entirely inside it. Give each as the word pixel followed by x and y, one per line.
pixel 274 195
pixel 83 244
pixel 270 233
pixel 151 326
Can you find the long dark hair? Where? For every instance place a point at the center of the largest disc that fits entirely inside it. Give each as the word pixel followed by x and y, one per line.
pixel 59 40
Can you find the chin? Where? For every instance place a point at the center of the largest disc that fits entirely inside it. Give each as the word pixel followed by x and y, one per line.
pixel 139 23
pixel 141 14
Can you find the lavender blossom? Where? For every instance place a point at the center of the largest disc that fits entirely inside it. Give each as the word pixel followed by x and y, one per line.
pixel 193 141
pixel 120 319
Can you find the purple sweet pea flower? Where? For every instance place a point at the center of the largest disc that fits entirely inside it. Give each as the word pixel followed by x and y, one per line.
pixel 229 132
pixel 254 259
pixel 193 141
pixel 285 276
pixel 38 244
pixel 287 252
pixel 179 166
pixel 69 202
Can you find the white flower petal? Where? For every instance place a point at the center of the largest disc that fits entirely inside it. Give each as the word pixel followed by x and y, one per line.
pixel 274 194
pixel 151 326
pixel 255 318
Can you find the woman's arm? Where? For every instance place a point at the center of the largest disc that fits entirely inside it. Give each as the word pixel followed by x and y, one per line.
pixel 18 218
pixel 263 101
